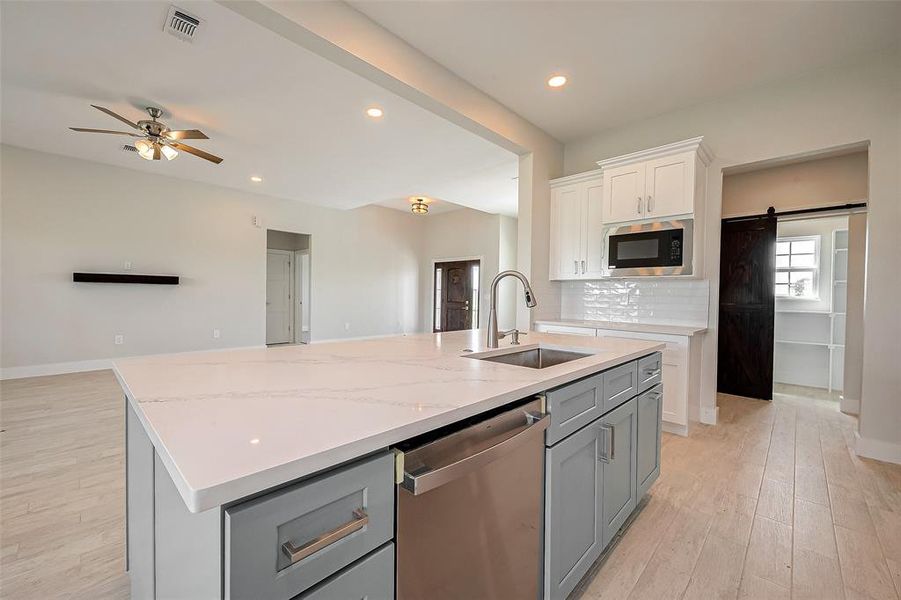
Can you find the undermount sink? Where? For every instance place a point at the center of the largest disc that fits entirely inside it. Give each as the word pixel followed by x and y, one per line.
pixel 533 358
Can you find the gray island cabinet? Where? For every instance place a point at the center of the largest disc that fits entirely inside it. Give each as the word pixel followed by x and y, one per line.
pixel 329 534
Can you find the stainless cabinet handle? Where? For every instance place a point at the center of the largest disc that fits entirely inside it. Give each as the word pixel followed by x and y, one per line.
pixel 609 445
pixel 575 267
pixel 638 208
pixel 652 372
pixel 360 520
pixel 650 204
pixel 583 267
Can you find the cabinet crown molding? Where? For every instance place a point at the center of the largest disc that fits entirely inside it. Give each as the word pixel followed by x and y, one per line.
pixel 695 144
pixel 577 178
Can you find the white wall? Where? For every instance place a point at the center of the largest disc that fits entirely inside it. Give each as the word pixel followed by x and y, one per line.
pixel 465 234
pixel 62 215
pixel 826 109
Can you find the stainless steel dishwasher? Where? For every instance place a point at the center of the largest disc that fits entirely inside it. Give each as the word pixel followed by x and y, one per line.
pixel 470 509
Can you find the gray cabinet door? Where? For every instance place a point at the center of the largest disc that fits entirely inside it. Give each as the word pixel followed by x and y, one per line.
pixel 573 503
pixel 650 414
pixel 370 578
pixel 619 454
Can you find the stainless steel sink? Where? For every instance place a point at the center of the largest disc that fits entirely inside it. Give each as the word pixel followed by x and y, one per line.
pixel 533 358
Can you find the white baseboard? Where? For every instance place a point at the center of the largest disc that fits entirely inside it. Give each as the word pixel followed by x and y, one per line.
pixel 709 416
pixel 674 428
pixel 877 449
pixel 850 406
pixel 55 368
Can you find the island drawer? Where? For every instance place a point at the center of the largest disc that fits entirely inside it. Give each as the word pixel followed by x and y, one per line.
pixel 283 543
pixel 573 406
pixel 620 384
pixel 371 578
pixel 650 369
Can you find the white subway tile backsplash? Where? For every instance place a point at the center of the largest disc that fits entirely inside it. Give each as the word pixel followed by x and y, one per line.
pixel 656 301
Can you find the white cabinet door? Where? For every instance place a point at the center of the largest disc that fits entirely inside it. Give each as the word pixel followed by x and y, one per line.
pixel 674 401
pixel 593 229
pixel 624 192
pixel 669 185
pixel 566 232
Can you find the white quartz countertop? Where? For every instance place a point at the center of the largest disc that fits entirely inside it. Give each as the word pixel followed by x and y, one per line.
pixel 228 424
pixel 623 326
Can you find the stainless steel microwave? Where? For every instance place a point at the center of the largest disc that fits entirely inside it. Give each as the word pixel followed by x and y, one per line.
pixel 648 249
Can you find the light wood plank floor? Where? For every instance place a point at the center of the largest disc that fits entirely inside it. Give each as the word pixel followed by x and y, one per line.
pixel 771 503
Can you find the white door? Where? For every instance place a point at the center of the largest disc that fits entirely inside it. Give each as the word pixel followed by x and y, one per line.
pixel 566 232
pixel 668 185
pixel 624 189
pixel 593 229
pixel 279 311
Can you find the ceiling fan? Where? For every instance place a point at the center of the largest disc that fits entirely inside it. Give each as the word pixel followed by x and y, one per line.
pixel 156 140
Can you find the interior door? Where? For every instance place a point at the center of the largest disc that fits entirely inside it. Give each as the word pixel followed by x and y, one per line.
pixel 624 193
pixel 456 295
pixel 669 182
pixel 279 311
pixel 747 307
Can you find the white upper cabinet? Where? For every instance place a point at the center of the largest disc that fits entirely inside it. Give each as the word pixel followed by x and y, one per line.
pixel 655 184
pixel 624 198
pixel 576 235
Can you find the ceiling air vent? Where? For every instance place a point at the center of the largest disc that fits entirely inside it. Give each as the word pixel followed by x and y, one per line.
pixel 128 148
pixel 181 24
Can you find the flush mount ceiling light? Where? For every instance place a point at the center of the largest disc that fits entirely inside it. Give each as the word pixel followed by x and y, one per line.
pixel 374 112
pixel 557 81
pixel 419 205
pixel 256 178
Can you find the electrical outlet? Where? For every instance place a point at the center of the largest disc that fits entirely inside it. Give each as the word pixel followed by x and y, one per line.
pixel 119 339
pixel 128 265
pixel 347 327
pixel 257 221
pixel 216 334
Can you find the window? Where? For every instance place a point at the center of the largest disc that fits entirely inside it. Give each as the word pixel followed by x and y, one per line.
pixel 797 267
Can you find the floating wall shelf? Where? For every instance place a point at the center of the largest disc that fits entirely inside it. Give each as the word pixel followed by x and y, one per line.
pixel 125 278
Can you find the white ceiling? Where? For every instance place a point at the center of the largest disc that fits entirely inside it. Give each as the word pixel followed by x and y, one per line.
pixel 631 60
pixel 270 108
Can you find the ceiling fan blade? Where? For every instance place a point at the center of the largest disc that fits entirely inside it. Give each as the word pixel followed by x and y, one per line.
pixel 186 134
pixel 196 152
pixel 156 152
pixel 115 116
pixel 86 130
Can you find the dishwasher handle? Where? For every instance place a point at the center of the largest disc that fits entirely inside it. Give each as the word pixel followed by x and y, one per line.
pixel 424 482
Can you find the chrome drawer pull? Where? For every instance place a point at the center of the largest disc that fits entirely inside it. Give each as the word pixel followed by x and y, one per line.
pixel 652 372
pixel 360 520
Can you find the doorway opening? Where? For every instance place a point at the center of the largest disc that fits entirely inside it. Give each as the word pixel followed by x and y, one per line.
pixel 287 288
pixel 455 293
pixel 790 284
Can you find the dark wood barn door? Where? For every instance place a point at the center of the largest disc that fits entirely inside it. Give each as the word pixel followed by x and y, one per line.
pixel 456 295
pixel 747 307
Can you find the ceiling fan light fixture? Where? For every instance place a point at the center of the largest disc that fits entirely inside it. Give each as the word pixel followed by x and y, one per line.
pixel 168 151
pixel 145 149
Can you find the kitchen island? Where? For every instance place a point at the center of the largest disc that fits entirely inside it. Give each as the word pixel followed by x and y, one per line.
pixel 210 433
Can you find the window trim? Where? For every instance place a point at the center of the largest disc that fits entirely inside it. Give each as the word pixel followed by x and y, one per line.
pixel 817 240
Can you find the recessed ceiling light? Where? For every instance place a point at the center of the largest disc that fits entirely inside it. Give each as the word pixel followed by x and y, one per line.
pixel 375 112
pixel 256 179
pixel 557 81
